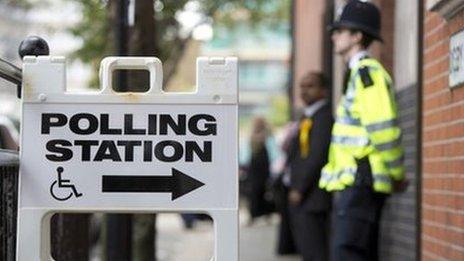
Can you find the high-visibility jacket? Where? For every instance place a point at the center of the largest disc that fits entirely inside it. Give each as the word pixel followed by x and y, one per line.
pixel 366 125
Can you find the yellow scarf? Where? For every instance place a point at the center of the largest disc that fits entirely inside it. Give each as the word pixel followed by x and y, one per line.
pixel 305 127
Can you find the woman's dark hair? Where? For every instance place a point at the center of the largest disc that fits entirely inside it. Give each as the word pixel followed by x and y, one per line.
pixel 366 39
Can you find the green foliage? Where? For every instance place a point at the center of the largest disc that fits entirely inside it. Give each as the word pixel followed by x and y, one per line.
pixel 95 31
pixel 279 113
pixel 168 27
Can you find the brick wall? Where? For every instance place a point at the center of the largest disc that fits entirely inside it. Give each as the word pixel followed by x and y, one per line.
pixel 398 229
pixel 443 146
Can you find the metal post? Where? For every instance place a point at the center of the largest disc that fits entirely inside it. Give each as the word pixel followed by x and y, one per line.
pixel 122 39
pixel 70 236
pixel 119 226
pixel 9 166
pixel 291 77
pixel 327 64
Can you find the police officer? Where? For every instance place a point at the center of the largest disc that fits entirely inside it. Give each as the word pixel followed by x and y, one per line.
pixel 365 161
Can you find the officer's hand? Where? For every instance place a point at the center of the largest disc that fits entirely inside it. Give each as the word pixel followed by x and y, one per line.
pixel 400 186
pixel 294 197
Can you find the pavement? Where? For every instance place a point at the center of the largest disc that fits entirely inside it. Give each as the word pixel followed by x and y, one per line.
pixel 257 242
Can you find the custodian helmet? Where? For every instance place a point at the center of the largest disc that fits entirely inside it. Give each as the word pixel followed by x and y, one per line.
pixel 362 16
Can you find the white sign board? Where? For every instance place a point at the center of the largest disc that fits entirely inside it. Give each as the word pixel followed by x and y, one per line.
pixel 128 152
pixel 456 67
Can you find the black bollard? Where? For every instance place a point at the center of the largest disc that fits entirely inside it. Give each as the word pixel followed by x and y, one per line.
pixel 34 46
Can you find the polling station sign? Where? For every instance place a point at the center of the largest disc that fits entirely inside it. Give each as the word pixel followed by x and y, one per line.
pixel 127 152
pixel 130 150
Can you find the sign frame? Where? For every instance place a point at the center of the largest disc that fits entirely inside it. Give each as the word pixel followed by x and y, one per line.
pixel 52 115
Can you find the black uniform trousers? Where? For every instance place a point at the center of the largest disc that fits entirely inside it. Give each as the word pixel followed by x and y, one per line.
pixel 356 219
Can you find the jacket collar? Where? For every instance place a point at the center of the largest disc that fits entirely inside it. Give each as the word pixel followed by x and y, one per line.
pixel 310 110
pixel 356 58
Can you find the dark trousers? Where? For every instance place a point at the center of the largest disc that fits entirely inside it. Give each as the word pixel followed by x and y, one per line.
pixel 356 220
pixel 285 243
pixel 310 232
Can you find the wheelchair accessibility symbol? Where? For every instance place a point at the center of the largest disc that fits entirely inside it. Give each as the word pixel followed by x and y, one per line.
pixel 63 189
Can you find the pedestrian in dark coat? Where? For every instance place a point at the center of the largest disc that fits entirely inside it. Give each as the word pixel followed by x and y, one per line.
pixel 259 170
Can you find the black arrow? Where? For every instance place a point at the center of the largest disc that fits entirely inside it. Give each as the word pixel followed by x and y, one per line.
pixel 178 184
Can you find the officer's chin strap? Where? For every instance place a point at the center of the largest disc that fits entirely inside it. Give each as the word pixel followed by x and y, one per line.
pixel 346 78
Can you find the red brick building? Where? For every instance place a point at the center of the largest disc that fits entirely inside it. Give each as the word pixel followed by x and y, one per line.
pixel 443 134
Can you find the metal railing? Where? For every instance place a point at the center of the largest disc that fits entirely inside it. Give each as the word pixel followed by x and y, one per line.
pixel 9 166
pixel 10 72
pixel 64 247
pixel 9 169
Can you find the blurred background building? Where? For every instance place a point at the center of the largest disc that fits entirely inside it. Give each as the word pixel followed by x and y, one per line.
pixel 264 63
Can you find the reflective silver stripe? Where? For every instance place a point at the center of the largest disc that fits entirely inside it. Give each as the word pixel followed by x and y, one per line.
pixel 325 176
pixel 346 171
pixel 347 105
pixel 395 163
pixel 351 172
pixel 328 177
pixel 348 121
pixel 348 99
pixel 389 145
pixel 382 178
pixel 348 140
pixel 377 177
pixel 350 91
pixel 382 125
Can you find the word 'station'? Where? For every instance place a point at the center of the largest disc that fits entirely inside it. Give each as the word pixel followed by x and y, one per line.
pixel 125 150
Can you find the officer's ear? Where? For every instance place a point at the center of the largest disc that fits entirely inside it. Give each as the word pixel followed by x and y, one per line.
pixel 324 92
pixel 357 36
